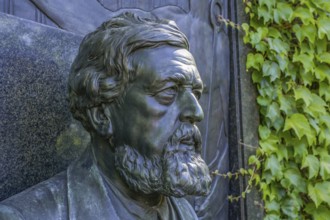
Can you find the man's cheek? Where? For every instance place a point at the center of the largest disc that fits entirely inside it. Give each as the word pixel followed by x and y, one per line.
pixel 152 108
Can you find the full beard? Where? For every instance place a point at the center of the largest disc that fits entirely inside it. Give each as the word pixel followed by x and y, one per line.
pixel 178 172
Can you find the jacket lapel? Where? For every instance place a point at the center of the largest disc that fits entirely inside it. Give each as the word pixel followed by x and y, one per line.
pixel 87 195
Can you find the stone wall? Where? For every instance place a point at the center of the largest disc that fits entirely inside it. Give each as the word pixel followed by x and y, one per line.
pixel 38 135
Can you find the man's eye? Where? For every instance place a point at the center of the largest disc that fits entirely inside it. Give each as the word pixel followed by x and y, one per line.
pixel 167 96
pixel 197 94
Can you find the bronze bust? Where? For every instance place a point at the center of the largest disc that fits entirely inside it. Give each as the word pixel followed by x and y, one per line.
pixel 135 87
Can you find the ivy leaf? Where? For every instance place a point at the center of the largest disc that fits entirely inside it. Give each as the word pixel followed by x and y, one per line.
pixel 290 207
pixel 286 104
pixel 268 177
pixel 315 125
pixel 272 217
pixel 263 31
pixel 322 4
pixel 279 46
pixel 292 71
pixel 265 189
pixel 324 137
pixel 305 59
pixel 256 76
pixel 309 32
pixel 312 193
pixel 304 94
pixel 320 151
pixel 307 77
pixel 313 165
pixel 274 166
pixel 305 47
pixel 304 14
pixel 298 32
pixel 245 27
pixel 324 57
pixel 270 144
pixel 325 91
pixel 267 89
pixel 271 69
pixel 322 213
pixel 317 107
pixel 283 12
pixel 322 188
pixel 274 33
pixel 319 193
pixel 264 132
pixel 305 31
pixel 264 13
pixel 263 101
pixel 255 38
pixel 325 120
pixel 301 127
pixel 322 71
pixel 282 153
pixel 295 179
pixel 300 148
pixel 261 46
pixel 273 206
pixel 323 27
pixel 282 61
pixel 310 208
pixel 254 160
pixel 325 166
pixel 273 113
pixel 254 61
pixel 269 3
pixel 321 45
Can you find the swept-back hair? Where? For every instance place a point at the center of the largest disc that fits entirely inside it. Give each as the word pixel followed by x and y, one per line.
pixel 103 67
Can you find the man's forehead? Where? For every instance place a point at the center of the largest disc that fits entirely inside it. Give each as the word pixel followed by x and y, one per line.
pixel 166 62
pixel 183 56
pixel 177 73
pixel 161 52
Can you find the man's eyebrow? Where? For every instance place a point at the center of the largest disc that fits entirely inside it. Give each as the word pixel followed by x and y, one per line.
pixel 177 78
pixel 198 84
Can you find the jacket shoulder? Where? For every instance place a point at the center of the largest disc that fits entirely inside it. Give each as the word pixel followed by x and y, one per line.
pixel 9 213
pixel 46 200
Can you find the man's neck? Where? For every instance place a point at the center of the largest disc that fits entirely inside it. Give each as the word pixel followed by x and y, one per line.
pixel 104 157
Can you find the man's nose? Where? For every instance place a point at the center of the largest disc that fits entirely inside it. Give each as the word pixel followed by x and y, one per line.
pixel 191 110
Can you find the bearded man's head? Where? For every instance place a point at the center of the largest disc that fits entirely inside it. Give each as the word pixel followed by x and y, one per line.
pixel 135 84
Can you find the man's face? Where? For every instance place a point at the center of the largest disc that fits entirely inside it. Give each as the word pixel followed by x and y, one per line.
pixel 163 96
pixel 157 142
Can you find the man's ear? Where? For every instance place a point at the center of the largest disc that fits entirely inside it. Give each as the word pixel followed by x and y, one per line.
pixel 99 118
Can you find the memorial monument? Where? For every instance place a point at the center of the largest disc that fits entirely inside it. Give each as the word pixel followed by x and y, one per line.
pixel 135 88
pixel 38 136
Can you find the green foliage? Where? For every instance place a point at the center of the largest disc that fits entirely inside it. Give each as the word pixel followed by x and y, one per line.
pixel 289 62
pixel 253 177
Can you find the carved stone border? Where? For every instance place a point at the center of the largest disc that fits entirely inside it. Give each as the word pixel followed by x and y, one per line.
pixel 244 120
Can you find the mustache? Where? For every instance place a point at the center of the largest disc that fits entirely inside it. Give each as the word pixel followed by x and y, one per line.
pixel 186 138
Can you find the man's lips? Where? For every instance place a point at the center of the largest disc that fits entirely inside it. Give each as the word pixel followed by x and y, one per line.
pixel 189 144
pixel 189 141
pixel 186 138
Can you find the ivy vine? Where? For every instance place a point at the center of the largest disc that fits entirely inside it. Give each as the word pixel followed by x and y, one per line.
pixel 290 64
